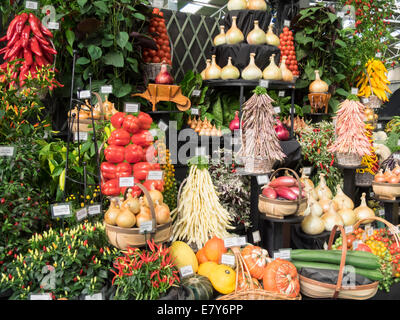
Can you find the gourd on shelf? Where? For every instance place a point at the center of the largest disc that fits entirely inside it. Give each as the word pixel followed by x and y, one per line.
pixel 287 75
pixel 234 35
pixel 252 72
pixel 318 85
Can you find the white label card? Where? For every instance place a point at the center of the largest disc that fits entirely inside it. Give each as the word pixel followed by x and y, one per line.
pixel 354 90
pixel 365 100
pixel 370 231
pixel 256 236
pixel 396 156
pixel 285 253
pixel 40 296
pixel 84 94
pixel 94 209
pixel 281 93
pixel 355 244
pixel 196 93
pixel 200 151
pixel 379 126
pixel 31 5
pixel 262 180
pixel 132 107
pixel 398 142
pixel 96 296
pixel 286 23
pixel 146 226
pixel 162 125
pixel 340 14
pixel 106 89
pixel 53 25
pixel 228 259
pixel 126 182
pixel 195 111
pixel 277 109
pixel 378 54
pixel 235 242
pixel 307 170
pixel 153 132
pixel 82 136
pixel 371 194
pixel 348 229
pixel 81 214
pixel 277 255
pixel 61 210
pixel 158 3
pixel 264 83
pixel 381 212
pixel 358 63
pixel 186 271
pixel 155 175
pixel 7 151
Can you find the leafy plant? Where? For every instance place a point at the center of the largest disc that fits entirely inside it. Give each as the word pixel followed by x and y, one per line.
pixel 285 104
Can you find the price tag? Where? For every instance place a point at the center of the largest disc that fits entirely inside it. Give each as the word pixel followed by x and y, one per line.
pixel 186 271
pixel 281 93
pixel 200 151
pixel 126 182
pixel 264 83
pixel 396 156
pixel 256 236
pixel 277 109
pixel 365 100
pixel 83 136
pixel 84 94
pixel 398 142
pixel 370 231
pixel 379 126
pixel 40 296
pixel 307 170
pixel 340 14
pixel 106 89
pixel 348 229
pixel 241 241
pixel 132 107
pixel 7 151
pixel 378 54
pixel 277 255
pixel 381 212
pixel 94 209
pixel 162 125
pixel 61 210
pixel 158 3
pixel 262 180
pixel 46 135
pixel 228 259
pixel 153 132
pixel 195 111
pixel 358 63
pixel 31 5
pixel 196 93
pixel 53 25
pixel 371 194
pixel 146 226
pixel 354 90
pixel 96 296
pixel 285 254
pixel 286 23
pixel 81 214
pixel 155 175
pixel 355 244
pixel 230 242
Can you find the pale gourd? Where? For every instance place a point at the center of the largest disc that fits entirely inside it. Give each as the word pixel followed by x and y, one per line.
pixel 183 255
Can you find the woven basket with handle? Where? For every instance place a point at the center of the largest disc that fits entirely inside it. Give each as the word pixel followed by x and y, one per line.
pixel 251 293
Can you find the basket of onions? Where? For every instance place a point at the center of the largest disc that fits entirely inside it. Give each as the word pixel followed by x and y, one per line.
pixel 387 185
pixel 123 219
pixel 283 196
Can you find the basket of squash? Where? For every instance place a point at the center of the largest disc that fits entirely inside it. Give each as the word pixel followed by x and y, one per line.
pixel 283 196
pixel 124 218
pixel 386 185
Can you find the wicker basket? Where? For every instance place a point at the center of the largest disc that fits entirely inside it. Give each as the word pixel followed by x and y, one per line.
pixel 316 289
pixel 348 159
pixel 151 70
pixel 281 208
pixel 258 166
pixel 123 238
pixel 385 190
pixel 251 293
pixel 364 179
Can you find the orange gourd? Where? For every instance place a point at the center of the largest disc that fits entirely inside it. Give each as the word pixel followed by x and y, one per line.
pixel 201 256
pixel 245 284
pixel 281 276
pixel 256 260
pixel 214 248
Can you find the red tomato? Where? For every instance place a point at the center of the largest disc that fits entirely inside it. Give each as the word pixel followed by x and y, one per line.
pixel 285 29
pixel 152 29
pixel 363 247
pixel 166 43
pixel 147 59
pixel 350 239
pixel 146 54
pixel 156 59
pixel 161 54
pixel 152 53
pixel 160 29
pixel 283 43
pixel 168 55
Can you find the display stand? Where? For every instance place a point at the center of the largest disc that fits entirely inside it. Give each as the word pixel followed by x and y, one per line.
pixel 301 240
pixel 349 183
pixel 391 209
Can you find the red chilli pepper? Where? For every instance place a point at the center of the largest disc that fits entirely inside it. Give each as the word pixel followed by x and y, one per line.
pixel 48 48
pixel 13 40
pixel 35 47
pixel 28 57
pixel 11 27
pixel 14 51
pixel 2 39
pixel 322 167
pixel 35 25
pixel 25 36
pixel 21 22
pixel 45 31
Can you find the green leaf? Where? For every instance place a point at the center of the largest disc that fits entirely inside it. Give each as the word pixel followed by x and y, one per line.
pixel 342 92
pixel 139 16
pixel 122 39
pixel 107 43
pixel 82 61
pixel 101 5
pixel 340 43
pixel 86 73
pixel 70 35
pixel 82 2
pixel 115 59
pixel 123 90
pixel 300 38
pixel 95 52
pixel 134 64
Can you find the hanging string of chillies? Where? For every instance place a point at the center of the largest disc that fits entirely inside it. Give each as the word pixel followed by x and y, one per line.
pixel 371 162
pixel 29 40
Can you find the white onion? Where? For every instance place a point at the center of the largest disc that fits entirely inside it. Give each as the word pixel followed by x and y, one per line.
pixel 256 36
pixel 348 216
pixel 237 5
pixel 221 37
pixel 312 225
pixel 272 71
pixel 342 201
pixel 322 189
pixel 271 38
pixel 318 85
pixel 363 211
pixel 252 72
pixel 234 35
pixel 331 218
pixel 230 71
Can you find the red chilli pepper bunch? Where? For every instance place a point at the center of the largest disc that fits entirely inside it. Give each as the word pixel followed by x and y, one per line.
pixel 130 152
pixel 28 39
pixel 154 264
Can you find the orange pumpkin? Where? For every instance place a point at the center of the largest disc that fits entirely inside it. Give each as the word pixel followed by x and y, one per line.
pixel 201 256
pixel 281 276
pixel 245 284
pixel 214 249
pixel 256 260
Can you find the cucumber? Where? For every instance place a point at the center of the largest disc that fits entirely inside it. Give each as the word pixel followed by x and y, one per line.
pixel 360 259
pixel 375 275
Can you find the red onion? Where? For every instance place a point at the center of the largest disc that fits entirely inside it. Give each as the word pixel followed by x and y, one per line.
pixel 235 123
pixel 163 76
pixel 281 131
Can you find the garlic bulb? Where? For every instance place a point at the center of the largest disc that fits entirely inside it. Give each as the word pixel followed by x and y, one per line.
pixel 257 5
pixel 256 36
pixel 221 37
pixel 287 75
pixel 234 35
pixel 230 71
pixel 214 71
pixel 271 38
pixel 318 85
pixel 252 72
pixel 363 211
pixel 203 73
pixel 237 5
pixel 272 71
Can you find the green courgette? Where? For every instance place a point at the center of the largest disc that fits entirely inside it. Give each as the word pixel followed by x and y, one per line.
pixel 375 275
pixel 360 259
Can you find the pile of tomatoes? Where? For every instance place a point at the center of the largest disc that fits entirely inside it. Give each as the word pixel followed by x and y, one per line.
pixel 287 49
pixel 158 31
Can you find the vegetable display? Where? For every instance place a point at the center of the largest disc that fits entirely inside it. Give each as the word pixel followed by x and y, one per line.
pixel 28 39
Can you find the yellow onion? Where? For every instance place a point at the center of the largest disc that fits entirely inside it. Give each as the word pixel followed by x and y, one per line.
pixel 252 72
pixel 256 36
pixel 363 211
pixel 126 219
pixel 237 5
pixel 322 189
pixel 318 85
pixel 272 71
pixel 312 225
pixel 331 218
pixel 214 71
pixel 259 5
pixel 234 35
pixel 342 201
pixel 155 195
pixel 221 37
pixel 306 180
pixel 162 213
pixel 230 71
pixel 111 215
pixel 287 75
pixel 316 208
pixel 326 204
pixel 142 217
pixel 132 204
pixel 348 216
pixel 271 38
pixel 203 73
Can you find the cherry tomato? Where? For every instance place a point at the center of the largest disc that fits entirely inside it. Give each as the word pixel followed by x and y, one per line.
pixel 156 59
